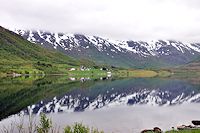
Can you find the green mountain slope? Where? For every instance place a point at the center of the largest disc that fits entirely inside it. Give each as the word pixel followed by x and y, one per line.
pixel 20 56
pixel 193 65
pixel 189 72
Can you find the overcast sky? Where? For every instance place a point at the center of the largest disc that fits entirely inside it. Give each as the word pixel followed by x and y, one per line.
pixel 115 19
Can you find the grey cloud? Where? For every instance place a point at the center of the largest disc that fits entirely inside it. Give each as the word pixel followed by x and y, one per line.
pixel 121 19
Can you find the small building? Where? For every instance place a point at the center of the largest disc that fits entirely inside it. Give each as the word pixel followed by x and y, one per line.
pixel 72 69
pixel 109 74
pixel 103 69
pixel 82 68
pixel 72 78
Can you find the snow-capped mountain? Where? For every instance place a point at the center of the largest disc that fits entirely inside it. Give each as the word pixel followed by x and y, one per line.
pixel 119 53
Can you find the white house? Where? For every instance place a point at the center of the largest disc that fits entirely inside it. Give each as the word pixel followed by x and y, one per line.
pixel 72 69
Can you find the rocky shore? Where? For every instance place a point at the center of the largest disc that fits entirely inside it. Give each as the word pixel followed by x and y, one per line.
pixel 194 128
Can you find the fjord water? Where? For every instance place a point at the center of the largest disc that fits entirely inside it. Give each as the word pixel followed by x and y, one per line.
pixel 113 105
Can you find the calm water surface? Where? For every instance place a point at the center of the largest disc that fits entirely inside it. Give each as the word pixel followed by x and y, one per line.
pixel 113 105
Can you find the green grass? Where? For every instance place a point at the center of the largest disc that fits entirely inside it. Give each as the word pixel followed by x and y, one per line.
pixel 164 73
pixel 120 73
pixel 92 72
pixel 141 73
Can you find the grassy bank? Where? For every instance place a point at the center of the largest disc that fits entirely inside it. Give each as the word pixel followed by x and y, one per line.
pixel 141 73
pixel 35 68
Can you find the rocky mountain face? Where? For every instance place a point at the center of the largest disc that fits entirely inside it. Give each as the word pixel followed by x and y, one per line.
pixel 138 54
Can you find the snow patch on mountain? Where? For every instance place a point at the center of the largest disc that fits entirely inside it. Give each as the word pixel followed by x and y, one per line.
pixel 70 42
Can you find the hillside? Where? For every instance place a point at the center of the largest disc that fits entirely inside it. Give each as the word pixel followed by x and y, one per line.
pixel 125 53
pixel 192 66
pixel 189 71
pixel 21 56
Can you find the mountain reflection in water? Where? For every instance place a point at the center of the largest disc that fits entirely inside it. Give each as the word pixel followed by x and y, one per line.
pixel 113 105
pixel 109 93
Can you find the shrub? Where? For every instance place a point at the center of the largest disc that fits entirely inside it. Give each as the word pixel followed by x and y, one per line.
pixel 45 124
pixel 80 128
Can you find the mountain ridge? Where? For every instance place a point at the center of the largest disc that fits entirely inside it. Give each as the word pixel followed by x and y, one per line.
pixel 138 54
